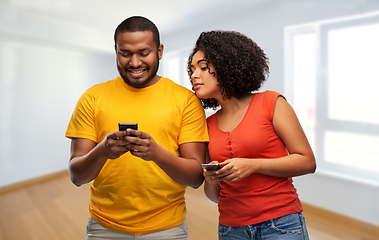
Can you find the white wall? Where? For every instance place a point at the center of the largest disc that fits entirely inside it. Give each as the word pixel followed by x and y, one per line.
pixel 266 26
pixel 44 68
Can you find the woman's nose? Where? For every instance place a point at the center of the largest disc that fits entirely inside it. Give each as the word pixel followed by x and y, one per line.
pixel 195 74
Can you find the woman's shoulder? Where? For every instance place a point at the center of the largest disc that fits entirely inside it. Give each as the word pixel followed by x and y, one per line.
pixel 268 94
pixel 267 97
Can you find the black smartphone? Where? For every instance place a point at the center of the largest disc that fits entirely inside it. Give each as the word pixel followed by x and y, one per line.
pixel 211 166
pixel 124 126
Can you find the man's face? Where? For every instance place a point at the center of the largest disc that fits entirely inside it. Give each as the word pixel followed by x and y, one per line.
pixel 138 58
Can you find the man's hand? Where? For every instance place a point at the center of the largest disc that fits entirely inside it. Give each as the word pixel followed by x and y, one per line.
pixel 88 158
pixel 117 143
pixel 184 169
pixel 143 145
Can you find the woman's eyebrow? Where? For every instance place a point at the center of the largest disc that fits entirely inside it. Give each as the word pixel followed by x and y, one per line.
pixel 198 62
pixel 201 60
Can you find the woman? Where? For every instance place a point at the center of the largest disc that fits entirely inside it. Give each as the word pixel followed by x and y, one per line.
pixel 255 137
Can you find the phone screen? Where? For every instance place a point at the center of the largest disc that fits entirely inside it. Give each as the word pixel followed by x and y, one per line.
pixel 211 166
pixel 124 126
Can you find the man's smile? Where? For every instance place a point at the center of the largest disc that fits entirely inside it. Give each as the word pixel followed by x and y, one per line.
pixel 136 72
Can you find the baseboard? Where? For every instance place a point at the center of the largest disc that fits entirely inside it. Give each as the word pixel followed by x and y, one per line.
pixel 341 219
pixel 32 181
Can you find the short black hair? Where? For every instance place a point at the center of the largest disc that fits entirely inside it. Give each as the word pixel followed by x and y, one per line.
pixel 137 24
pixel 241 66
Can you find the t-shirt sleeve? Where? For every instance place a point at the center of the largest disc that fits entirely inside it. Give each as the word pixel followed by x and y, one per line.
pixel 82 122
pixel 194 126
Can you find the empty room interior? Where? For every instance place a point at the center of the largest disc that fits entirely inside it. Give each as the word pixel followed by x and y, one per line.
pixel 323 57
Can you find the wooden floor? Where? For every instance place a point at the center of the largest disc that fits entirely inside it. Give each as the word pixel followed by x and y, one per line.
pixel 57 210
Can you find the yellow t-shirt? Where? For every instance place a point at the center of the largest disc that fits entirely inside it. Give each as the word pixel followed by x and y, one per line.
pixel 130 194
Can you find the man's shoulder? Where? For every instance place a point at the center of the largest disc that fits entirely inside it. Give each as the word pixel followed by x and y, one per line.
pixel 176 86
pixel 102 86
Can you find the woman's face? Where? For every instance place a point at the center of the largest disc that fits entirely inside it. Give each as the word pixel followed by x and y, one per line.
pixel 203 77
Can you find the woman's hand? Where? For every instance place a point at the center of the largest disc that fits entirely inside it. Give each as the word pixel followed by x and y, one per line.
pixel 210 175
pixel 234 169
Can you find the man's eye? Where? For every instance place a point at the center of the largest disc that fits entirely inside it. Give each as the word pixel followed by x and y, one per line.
pixel 145 54
pixel 125 54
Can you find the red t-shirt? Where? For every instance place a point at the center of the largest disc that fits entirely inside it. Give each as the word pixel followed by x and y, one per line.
pixel 258 197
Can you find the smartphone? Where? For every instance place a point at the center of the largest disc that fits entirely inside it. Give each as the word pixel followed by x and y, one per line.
pixel 124 126
pixel 213 166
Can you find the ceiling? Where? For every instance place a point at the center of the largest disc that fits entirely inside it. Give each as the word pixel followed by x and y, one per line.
pixel 105 15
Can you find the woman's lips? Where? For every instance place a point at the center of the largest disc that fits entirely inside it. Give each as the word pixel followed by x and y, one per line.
pixel 196 86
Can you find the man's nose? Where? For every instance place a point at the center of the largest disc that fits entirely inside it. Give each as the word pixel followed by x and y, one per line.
pixel 135 61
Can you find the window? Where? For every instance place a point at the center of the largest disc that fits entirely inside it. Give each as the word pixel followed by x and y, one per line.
pixel 332 78
pixel 174 67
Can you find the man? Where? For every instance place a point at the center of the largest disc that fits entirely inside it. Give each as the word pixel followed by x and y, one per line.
pixel 137 177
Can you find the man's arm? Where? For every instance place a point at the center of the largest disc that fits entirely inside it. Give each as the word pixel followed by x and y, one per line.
pixel 84 166
pixel 87 158
pixel 185 169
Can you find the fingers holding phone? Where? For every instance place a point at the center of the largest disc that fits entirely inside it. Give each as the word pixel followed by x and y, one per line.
pixel 114 145
pixel 209 171
pixel 130 129
pixel 140 144
pixel 125 126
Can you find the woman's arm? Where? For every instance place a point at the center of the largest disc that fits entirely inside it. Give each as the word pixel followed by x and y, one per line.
pixel 212 186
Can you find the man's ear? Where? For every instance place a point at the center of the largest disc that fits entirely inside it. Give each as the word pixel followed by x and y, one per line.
pixel 160 51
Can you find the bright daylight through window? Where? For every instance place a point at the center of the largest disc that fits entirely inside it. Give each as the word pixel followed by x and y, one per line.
pixel 332 78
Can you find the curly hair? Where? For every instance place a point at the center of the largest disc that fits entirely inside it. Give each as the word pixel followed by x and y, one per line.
pixel 241 65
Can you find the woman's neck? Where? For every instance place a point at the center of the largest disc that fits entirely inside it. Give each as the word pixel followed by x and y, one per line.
pixel 230 106
pixel 232 112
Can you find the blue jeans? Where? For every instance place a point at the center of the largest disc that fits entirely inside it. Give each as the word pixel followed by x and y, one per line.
pixel 288 227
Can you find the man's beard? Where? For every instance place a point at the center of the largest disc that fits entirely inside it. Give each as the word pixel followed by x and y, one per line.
pixel 138 84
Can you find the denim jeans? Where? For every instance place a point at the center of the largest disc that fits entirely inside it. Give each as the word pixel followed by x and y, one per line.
pixel 288 227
